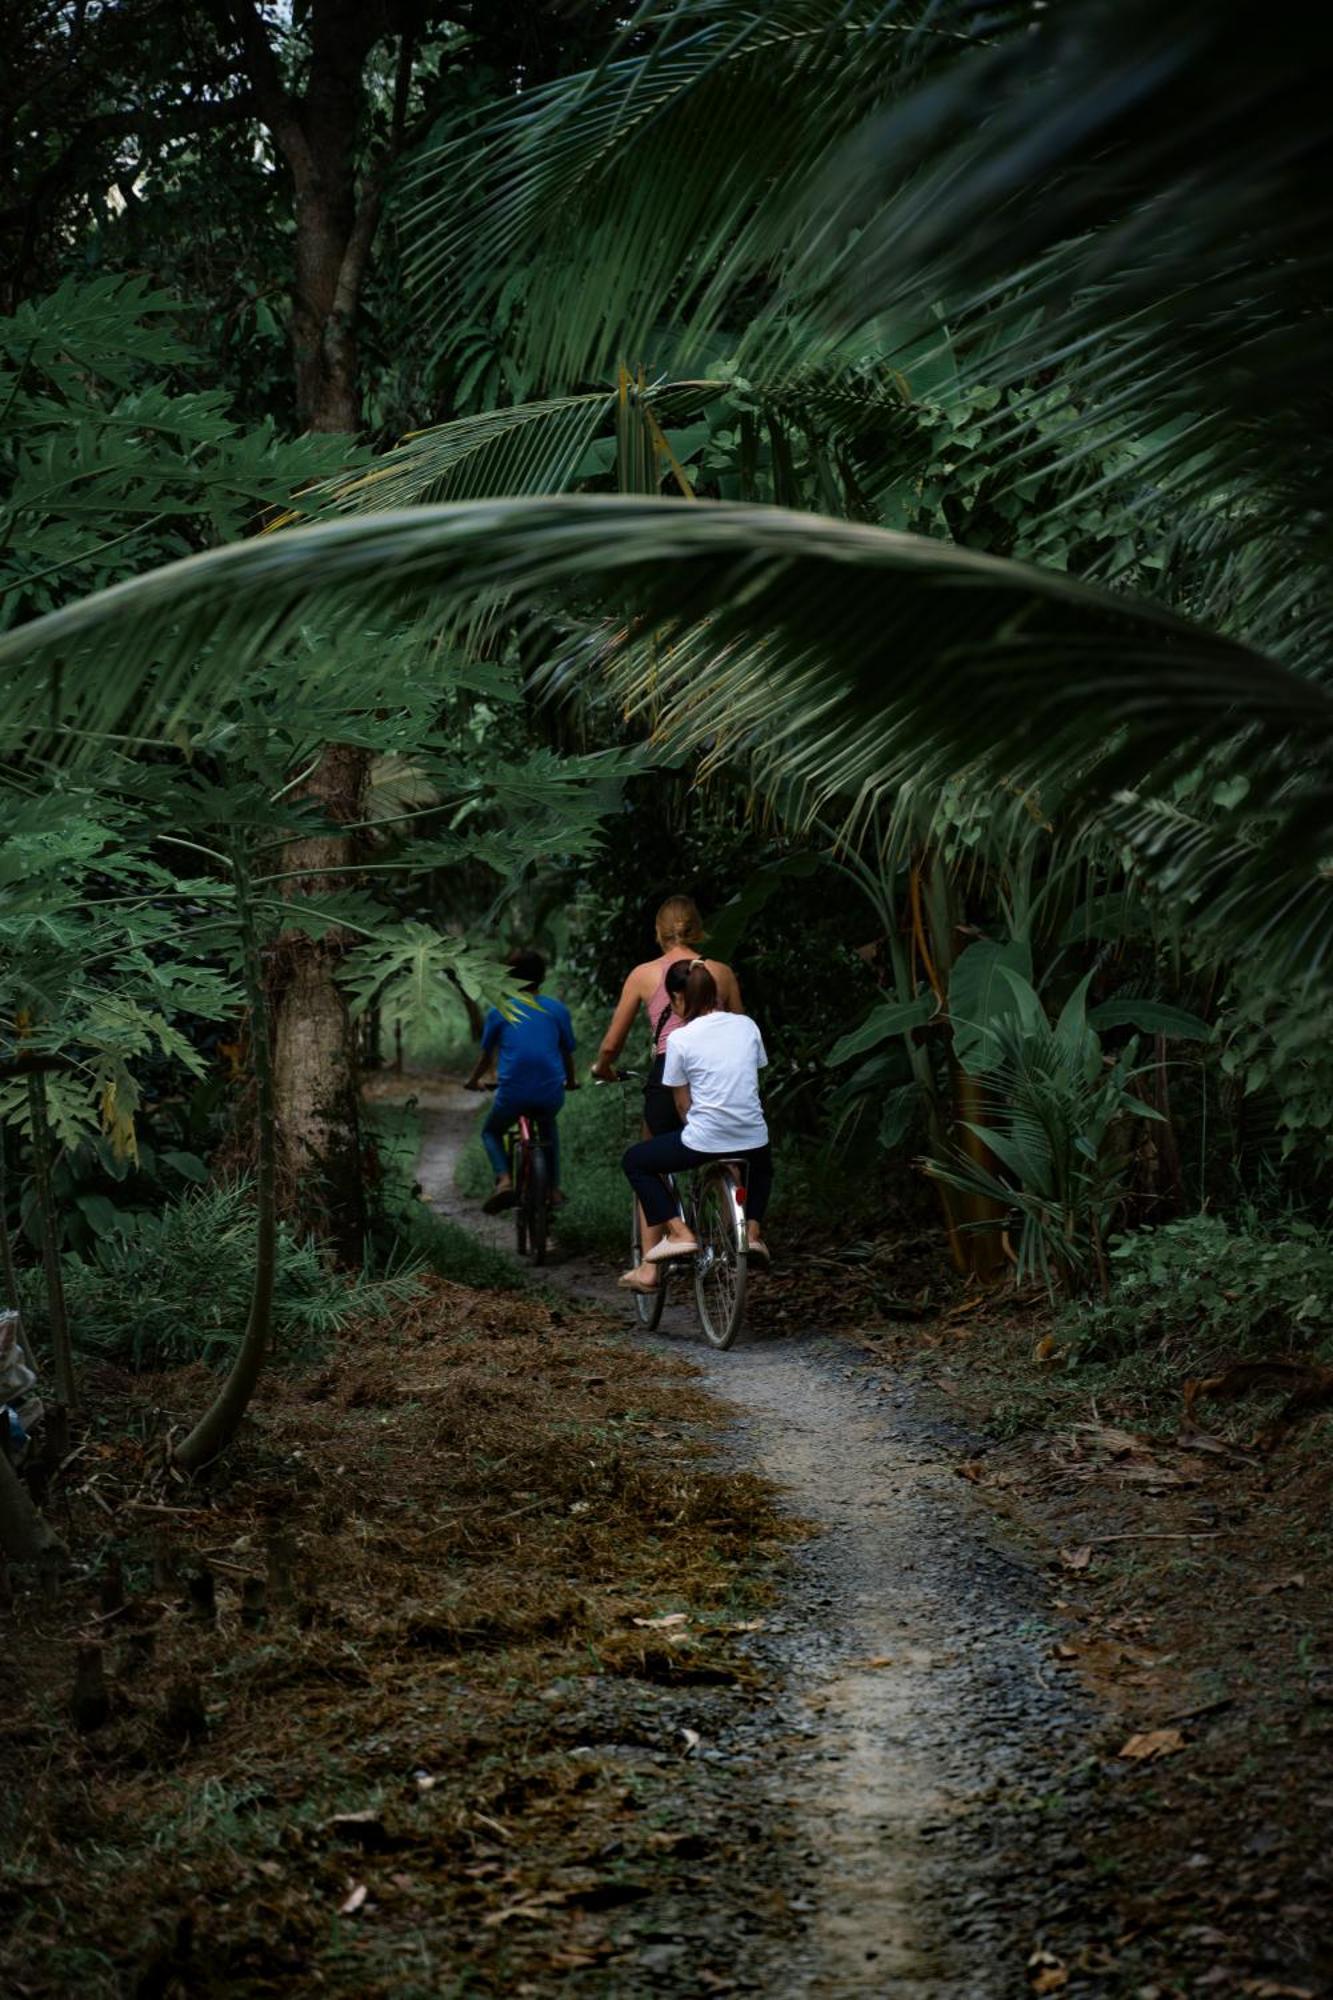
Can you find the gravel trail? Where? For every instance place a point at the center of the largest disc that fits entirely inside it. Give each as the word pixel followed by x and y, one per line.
pixel 922 1737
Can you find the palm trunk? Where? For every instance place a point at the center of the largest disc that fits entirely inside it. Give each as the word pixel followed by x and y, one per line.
pixel 976 1237
pixel 221 1421
pixel 336 209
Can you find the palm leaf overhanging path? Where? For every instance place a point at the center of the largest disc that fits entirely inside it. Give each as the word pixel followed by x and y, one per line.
pixel 1044 185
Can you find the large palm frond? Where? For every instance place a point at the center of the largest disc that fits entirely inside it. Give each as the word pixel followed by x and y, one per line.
pixel 663 178
pixel 1127 214
pixel 839 652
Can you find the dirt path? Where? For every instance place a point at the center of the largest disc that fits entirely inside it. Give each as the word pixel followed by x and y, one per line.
pixel 922 1738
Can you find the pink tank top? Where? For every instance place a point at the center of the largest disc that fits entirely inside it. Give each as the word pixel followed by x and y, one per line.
pixel 660 1009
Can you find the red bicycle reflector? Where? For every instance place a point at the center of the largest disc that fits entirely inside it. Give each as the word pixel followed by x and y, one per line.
pixel 740 1194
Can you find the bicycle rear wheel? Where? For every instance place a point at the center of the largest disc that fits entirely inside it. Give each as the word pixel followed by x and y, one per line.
pixel 647 1305
pixel 539 1200
pixel 520 1156
pixel 721 1262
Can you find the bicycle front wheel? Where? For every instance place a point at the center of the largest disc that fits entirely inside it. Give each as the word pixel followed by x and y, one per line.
pixel 721 1261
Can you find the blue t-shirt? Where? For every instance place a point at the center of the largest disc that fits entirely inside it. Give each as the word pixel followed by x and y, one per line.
pixel 533 1046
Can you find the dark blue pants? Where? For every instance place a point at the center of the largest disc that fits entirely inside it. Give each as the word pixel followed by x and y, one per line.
pixel 646 1163
pixel 503 1113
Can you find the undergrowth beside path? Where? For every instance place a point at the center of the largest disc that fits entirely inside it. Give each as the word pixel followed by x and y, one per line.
pixel 360 1722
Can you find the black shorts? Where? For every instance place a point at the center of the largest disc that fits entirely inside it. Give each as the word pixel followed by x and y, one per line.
pixel 659 1102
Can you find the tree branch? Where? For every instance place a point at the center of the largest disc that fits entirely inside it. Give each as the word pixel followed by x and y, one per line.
pixel 370 207
pixel 278 109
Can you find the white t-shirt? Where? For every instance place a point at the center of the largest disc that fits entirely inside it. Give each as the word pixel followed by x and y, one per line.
pixel 720 1057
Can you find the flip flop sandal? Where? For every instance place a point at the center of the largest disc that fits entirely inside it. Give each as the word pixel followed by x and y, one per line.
pixel 759 1254
pixel 627 1284
pixel 502 1198
pixel 668 1250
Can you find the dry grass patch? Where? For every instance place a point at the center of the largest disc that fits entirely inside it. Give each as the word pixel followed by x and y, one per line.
pixel 350 1676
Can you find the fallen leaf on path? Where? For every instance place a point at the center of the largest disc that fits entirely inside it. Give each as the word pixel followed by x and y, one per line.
pixel 1077 1558
pixel 1267 1989
pixel 661 1624
pixel 689 1740
pixel 880 1660
pixel 1148 1475
pixel 1279 1583
pixel 1195 1440
pixel 1119 1444
pixel 745 1625
pixel 352 1903
pixel 529 1906
pixel 1150 1743
pixel 1046 1973
pixel 1063 1652
pixel 1046 1348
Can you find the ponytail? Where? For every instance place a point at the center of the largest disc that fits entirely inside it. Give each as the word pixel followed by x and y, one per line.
pixel 692 978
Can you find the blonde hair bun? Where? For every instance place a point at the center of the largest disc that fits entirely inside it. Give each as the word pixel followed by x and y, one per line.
pixel 678 922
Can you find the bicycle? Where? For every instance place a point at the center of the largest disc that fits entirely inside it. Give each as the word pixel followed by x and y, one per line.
pixel 530 1172
pixel 713 1205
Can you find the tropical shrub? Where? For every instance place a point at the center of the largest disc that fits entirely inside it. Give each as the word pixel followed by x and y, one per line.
pixel 1204 1283
pixel 1051 1099
pixel 173 1287
pixel 1279 1043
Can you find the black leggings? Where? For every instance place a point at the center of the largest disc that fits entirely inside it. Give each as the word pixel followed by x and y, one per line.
pixel 646 1163
pixel 659 1102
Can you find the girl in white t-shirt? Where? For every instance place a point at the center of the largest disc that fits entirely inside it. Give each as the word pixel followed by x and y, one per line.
pixel 712 1063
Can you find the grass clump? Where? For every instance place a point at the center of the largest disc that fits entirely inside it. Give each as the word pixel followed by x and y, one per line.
pixel 175 1287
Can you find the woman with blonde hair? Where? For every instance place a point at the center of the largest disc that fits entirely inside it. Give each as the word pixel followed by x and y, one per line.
pixel 712 1068
pixel 680 933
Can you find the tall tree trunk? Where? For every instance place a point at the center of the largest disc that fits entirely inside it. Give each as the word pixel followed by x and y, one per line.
pixel 335 209
pixel 316 1082
pixel 337 214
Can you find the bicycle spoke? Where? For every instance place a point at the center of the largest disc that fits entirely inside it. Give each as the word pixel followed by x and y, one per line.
pixel 719 1276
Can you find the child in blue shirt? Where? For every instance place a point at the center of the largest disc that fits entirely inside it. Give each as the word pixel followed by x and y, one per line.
pixel 535 1067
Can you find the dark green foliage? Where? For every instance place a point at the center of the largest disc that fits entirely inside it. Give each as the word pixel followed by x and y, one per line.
pixel 175 1287
pixel 110 460
pixel 1205 1288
